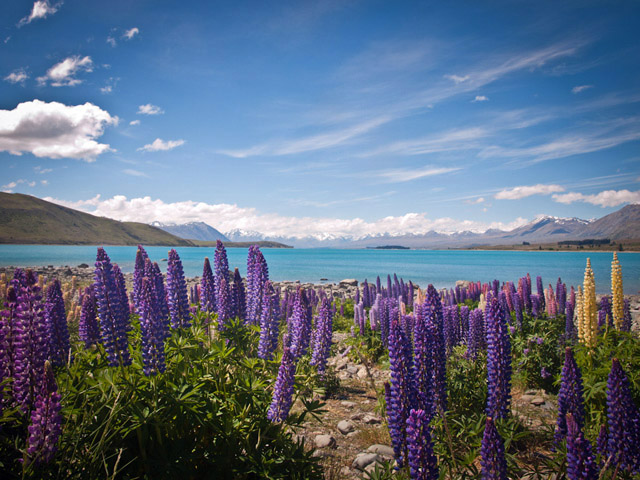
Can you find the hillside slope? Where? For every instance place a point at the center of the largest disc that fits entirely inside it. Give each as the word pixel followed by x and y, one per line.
pixel 30 220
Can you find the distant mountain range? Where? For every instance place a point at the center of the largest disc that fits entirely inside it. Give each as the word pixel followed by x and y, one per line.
pixel 192 231
pixel 29 220
pixel 623 224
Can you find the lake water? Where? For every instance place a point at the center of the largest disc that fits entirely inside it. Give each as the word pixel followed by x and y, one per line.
pixel 439 267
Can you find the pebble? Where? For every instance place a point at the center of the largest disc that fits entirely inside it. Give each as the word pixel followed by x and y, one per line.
pixel 353 370
pixel 537 401
pixel 527 398
pixel 352 434
pixel 358 416
pixel 362 373
pixel 384 450
pixel 371 420
pixel 325 441
pixel 362 460
pixel 345 426
pixel 348 404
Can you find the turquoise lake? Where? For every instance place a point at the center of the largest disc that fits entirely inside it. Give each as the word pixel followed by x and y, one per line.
pixel 439 267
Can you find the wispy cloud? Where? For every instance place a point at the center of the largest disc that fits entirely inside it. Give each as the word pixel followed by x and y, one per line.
pixel 161 145
pixel 17 76
pixel 42 171
pixel 63 74
pixel 41 9
pixel 132 32
pixel 475 201
pixel 516 193
pixel 8 188
pixel 457 78
pixel 149 109
pixel 480 98
pixel 607 198
pixel 310 143
pixel 134 122
pixel 398 175
pixel 134 173
pixel 580 88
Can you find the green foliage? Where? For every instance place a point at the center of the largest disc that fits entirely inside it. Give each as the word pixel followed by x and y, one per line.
pixel 343 323
pixel 466 382
pixel 205 417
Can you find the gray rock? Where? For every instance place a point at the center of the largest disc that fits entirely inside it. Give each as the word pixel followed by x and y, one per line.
pixel 531 392
pixel 364 459
pixel 325 441
pixel 527 398
pixel 342 363
pixel 348 404
pixel 537 401
pixel 344 375
pixel 353 370
pixel 321 454
pixel 346 426
pixel 371 420
pixel 352 434
pixel 384 450
pixel 362 373
pixel 358 416
pixel 351 282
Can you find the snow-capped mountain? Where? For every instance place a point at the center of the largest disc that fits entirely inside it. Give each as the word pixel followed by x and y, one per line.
pixel 192 231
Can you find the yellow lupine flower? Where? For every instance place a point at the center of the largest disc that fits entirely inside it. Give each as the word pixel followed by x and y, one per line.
pixel 617 307
pixel 589 307
pixel 579 315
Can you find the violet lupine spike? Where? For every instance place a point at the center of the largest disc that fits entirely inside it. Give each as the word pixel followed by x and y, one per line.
pixel 88 325
pixel 581 462
pixel 152 329
pixel 284 388
pixel 177 300
pixel 623 419
pixel 423 464
pixel 540 291
pixel 570 400
pixel 207 288
pixel 322 337
pixel 222 281
pixel 56 318
pixel 257 276
pixel 476 342
pixel 626 318
pixel 498 361
pixel 45 428
pixel 433 304
pixel 561 296
pixel 138 272
pixel 403 389
pixel 300 330
pixel 494 464
pixel 8 325
pixel 517 303
pixel 423 339
pixel 124 298
pixel 224 304
pixel 269 323
pixel 161 298
pixel 239 297
pixel 113 331
pixel 31 341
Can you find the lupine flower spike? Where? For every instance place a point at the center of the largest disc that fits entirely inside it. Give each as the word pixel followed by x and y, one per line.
pixel 494 464
pixel 45 429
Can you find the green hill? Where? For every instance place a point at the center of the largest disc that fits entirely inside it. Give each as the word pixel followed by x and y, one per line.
pixel 30 220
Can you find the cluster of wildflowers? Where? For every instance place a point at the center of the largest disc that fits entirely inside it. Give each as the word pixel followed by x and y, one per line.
pixel 269 322
pixel 177 300
pixel 88 326
pixel 152 329
pixel 283 390
pixel 322 336
pixel 494 464
pixel 570 396
pixel 45 428
pixel 207 288
pixel 498 361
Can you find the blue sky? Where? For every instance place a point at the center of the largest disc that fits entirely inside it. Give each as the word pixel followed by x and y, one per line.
pixel 323 118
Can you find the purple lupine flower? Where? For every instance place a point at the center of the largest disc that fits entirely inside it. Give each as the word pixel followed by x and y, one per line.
pixel 626 318
pixel 476 336
pixel 121 289
pixel 113 329
pixel 581 462
pixel 255 284
pixel 138 272
pixel 299 327
pixel 623 445
pixel 602 440
pixel 8 324
pixel 56 318
pixel 88 326
pixel 161 298
pixel 152 329
pixel 269 323
pixel 207 288
pixel 423 464
pixel 222 282
pixel 569 327
pixel 544 373
pixel 494 464
pixel 322 336
pixel 31 340
pixel 403 391
pixel 239 297
pixel 283 390
pixel 224 304
pixel 451 323
pixel 535 305
pixel 434 316
pixel 605 308
pixel 498 361
pixel 561 296
pixel 464 322
pixel 540 289
pixel 45 428
pixel 177 292
pixel 423 344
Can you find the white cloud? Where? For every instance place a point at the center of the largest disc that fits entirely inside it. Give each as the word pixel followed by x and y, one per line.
pixel 17 76
pixel 405 175
pixel 226 217
pixel 516 193
pixel 581 88
pixel 475 201
pixel 149 109
pixel 132 32
pixel 41 170
pixel 44 182
pixel 63 74
pixel 480 98
pixel 134 122
pixel 607 198
pixel 106 89
pixel 457 78
pixel 160 145
pixel 41 9
pixel 54 130
pixel 111 41
pixel 11 185
pixel 134 173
